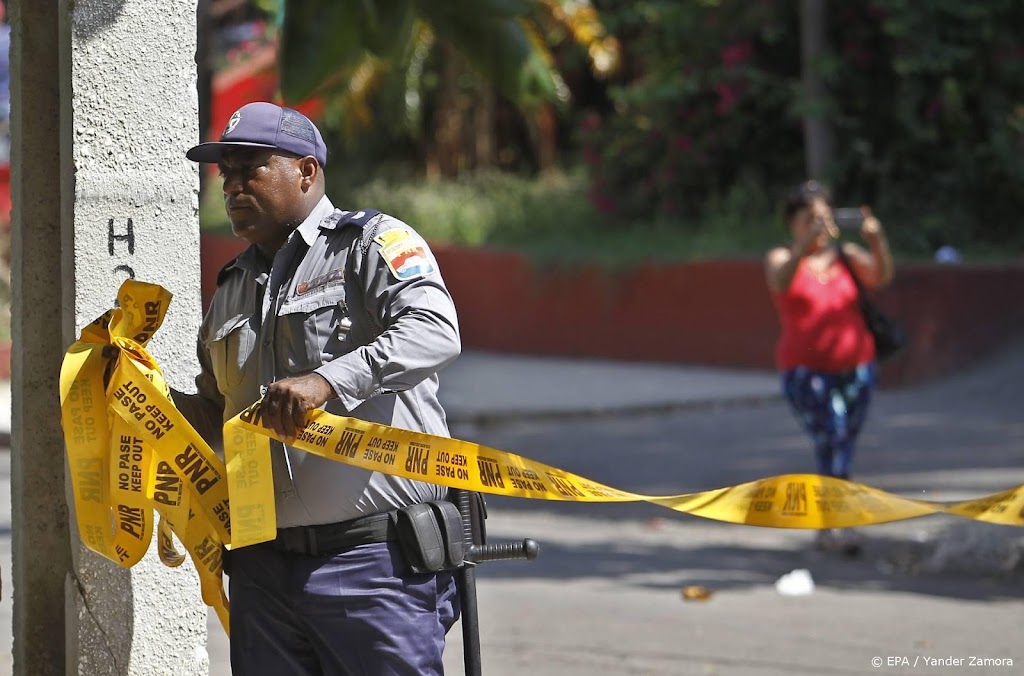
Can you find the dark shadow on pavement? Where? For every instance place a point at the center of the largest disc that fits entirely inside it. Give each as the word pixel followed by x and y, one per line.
pixel 735 568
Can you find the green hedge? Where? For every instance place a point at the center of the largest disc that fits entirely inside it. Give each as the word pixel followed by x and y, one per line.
pixel 551 218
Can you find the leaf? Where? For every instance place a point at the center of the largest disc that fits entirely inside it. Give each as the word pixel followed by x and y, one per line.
pixel 325 40
pixel 498 47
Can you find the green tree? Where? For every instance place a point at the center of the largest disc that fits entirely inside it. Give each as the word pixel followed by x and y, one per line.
pixel 345 51
pixel 705 101
pixel 923 103
pixel 433 72
pixel 326 42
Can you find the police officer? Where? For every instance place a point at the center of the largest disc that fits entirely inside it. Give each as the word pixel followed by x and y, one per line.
pixel 341 310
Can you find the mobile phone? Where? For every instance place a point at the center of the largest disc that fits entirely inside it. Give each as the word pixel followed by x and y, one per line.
pixel 848 218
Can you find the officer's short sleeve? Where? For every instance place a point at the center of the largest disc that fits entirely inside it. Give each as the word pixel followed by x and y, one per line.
pixel 405 294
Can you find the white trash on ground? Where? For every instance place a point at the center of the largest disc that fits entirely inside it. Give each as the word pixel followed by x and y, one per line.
pixel 795 583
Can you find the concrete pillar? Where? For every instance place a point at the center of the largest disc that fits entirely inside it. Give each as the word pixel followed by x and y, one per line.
pixel 102 193
pixel 41 556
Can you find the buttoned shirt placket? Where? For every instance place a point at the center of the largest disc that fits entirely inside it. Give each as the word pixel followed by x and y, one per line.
pixel 278 281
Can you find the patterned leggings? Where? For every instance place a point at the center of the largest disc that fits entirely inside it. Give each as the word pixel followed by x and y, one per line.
pixel 832 408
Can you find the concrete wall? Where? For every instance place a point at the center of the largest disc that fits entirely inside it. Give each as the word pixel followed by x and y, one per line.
pixel 104 107
pixel 130 110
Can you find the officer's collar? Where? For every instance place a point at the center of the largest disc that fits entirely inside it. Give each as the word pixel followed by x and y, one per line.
pixel 309 229
pixel 250 260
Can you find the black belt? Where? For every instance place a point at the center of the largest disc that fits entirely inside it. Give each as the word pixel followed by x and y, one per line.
pixel 332 538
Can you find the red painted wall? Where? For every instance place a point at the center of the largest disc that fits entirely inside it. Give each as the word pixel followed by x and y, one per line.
pixel 711 312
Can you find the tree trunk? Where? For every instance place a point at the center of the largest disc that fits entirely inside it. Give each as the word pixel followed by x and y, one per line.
pixel 817 130
pixel 484 115
pixel 543 126
pixel 447 157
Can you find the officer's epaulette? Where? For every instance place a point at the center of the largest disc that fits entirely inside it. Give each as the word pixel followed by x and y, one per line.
pixel 223 274
pixel 357 218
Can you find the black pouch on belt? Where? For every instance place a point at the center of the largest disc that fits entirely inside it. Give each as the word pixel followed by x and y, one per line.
pixel 430 534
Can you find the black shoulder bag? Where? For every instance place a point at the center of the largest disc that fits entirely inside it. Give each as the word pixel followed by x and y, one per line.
pixel 890 337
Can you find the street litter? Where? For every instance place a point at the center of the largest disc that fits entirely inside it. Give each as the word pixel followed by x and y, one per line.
pixel 696 592
pixel 795 583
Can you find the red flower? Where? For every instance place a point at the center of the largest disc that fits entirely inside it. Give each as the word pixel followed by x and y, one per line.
pixel 727 97
pixel 590 122
pixel 682 142
pixel 1014 53
pixel 736 54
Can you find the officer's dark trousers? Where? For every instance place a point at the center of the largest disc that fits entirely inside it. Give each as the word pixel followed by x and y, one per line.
pixel 349 614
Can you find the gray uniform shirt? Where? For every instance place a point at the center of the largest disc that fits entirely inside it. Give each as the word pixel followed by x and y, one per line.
pixel 357 298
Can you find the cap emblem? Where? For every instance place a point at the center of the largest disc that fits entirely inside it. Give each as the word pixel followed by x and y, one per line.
pixel 233 122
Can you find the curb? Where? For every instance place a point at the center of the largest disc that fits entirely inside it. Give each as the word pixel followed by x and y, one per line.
pixel 494 418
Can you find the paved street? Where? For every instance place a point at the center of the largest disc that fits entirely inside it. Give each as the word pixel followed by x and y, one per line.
pixel 604 597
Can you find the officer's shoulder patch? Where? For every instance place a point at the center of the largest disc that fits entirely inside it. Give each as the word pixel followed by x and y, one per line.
pixel 392 236
pixel 226 270
pixel 405 253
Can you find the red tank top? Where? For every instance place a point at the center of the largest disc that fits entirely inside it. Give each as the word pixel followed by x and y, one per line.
pixel 822 327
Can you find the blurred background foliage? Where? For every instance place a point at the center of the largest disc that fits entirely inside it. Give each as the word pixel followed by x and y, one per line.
pixel 629 129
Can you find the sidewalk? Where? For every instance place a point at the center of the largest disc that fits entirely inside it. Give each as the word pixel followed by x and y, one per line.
pixel 490 387
pixel 487 387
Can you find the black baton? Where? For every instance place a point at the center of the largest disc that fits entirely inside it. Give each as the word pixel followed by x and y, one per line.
pixel 471 508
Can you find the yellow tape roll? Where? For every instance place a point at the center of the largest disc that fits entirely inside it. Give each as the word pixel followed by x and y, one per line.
pixel 131 452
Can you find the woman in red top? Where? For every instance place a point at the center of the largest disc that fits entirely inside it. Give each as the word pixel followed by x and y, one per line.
pixel 825 352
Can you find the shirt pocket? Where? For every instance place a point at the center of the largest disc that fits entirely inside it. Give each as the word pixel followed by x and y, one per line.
pixel 231 347
pixel 314 330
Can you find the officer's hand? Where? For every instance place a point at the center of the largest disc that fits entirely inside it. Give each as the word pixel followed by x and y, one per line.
pixel 287 402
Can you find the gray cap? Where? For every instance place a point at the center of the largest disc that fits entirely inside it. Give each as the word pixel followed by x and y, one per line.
pixel 265 125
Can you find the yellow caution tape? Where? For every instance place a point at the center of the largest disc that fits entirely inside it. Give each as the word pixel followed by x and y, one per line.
pixel 807 501
pixel 130 451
